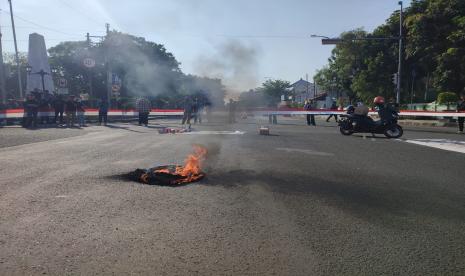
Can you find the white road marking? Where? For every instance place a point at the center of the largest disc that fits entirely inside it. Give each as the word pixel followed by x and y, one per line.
pixel 306 151
pixel 204 132
pixel 444 144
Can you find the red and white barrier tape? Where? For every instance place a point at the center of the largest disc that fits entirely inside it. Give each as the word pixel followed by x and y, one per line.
pixel 19 113
pixel 409 113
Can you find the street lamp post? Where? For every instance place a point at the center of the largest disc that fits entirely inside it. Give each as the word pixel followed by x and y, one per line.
pixel 332 41
pixel 18 68
pixel 399 69
pixel 41 73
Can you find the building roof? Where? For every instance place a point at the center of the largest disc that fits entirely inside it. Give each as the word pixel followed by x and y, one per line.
pixel 301 82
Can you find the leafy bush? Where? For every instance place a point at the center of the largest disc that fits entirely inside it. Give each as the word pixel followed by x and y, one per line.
pixel 447 98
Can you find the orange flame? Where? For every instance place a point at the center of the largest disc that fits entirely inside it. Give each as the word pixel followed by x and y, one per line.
pixel 191 171
pixel 193 162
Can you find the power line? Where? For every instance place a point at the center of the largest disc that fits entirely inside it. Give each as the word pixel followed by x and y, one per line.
pixel 39 25
pixel 79 11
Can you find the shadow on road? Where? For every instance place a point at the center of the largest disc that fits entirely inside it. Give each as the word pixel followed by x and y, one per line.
pixel 383 204
pixel 124 128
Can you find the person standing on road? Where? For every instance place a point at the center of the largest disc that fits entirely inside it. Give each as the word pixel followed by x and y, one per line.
pixel 461 108
pixel 333 108
pixel 102 112
pixel 310 117
pixel 70 110
pixel 188 106
pixel 143 108
pixel 31 108
pixel 80 112
pixel 232 111
pixel 59 107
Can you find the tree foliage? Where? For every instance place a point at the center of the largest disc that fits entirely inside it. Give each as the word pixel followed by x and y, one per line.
pixel 146 68
pixel 274 89
pixel 434 54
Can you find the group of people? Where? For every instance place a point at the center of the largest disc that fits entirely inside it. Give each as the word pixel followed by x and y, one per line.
pixel 310 105
pixel 193 108
pixel 68 110
pixel 72 108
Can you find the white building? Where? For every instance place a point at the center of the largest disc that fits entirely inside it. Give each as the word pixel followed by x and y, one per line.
pixel 306 90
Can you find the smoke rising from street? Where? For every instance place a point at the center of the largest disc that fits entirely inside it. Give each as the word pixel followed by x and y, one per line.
pixel 235 63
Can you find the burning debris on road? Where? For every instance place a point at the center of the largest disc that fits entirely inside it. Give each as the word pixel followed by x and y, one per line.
pixel 172 175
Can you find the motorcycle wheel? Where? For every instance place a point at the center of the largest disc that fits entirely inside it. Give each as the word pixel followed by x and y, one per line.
pixel 394 132
pixel 346 130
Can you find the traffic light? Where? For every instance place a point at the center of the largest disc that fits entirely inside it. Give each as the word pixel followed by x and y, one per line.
pixel 394 78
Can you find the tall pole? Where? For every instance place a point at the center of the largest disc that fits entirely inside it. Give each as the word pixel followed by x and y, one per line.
pixel 306 78
pixel 89 69
pixel 314 87
pixel 108 67
pixel 399 69
pixel 2 72
pixel 20 84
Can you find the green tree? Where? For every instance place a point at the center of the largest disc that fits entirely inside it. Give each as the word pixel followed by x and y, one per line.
pixel 274 89
pixel 447 98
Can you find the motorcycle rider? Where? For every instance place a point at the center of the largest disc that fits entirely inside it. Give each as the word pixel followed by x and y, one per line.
pixel 385 112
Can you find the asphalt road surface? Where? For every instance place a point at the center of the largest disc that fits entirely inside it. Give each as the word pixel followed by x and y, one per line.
pixel 302 201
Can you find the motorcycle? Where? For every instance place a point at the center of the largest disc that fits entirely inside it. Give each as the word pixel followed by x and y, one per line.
pixel 352 123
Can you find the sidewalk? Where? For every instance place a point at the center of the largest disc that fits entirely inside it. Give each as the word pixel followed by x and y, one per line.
pixel 427 123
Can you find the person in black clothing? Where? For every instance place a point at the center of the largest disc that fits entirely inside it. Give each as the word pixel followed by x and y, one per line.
pixel 186 118
pixel 232 111
pixel 333 107
pixel 461 108
pixel 70 110
pixel 31 108
pixel 59 107
pixel 102 112
pixel 310 117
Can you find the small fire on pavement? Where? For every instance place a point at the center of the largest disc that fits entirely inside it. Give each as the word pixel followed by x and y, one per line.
pixel 172 175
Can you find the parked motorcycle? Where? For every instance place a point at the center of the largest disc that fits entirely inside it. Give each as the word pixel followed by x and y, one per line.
pixel 352 123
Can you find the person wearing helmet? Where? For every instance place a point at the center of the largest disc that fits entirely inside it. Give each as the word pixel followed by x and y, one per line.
pixel 385 112
pixel 350 109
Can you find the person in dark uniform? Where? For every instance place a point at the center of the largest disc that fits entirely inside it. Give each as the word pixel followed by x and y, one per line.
pixel 333 108
pixel 232 111
pixel 310 117
pixel 70 110
pixel 59 107
pixel 102 112
pixel 188 104
pixel 461 108
pixel 31 108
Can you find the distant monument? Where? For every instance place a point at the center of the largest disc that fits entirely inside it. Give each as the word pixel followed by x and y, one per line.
pixel 38 61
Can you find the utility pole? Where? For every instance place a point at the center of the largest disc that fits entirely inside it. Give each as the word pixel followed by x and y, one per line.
pixel 314 88
pixel 16 51
pixel 2 72
pixel 399 69
pixel 89 70
pixel 109 80
pixel 306 78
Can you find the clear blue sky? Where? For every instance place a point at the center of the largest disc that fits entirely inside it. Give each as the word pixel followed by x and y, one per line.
pixel 192 30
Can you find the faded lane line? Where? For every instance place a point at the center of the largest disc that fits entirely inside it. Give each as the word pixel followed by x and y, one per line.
pixel 444 144
pixel 206 132
pixel 306 151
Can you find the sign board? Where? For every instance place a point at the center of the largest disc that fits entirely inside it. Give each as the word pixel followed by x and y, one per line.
pixel 84 96
pixel 115 88
pixel 62 91
pixel 331 41
pixel 115 79
pixel 89 62
pixel 62 83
